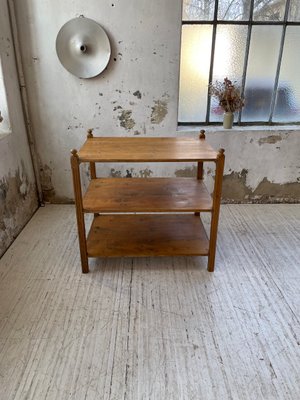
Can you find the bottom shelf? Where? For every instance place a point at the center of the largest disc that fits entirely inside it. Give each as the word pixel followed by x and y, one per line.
pixel 138 235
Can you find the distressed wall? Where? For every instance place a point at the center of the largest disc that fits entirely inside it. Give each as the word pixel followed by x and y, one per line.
pixel 262 166
pixel 18 199
pixel 136 95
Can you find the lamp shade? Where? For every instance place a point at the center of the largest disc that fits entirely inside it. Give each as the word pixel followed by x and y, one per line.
pixel 83 47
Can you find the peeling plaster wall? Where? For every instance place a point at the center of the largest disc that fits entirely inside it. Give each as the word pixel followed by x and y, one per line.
pixel 136 95
pixel 18 199
pixel 262 166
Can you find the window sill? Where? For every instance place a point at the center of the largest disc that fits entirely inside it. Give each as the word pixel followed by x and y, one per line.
pixel 248 128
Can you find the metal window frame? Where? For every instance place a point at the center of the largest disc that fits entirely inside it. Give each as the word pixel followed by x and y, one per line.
pixel 250 23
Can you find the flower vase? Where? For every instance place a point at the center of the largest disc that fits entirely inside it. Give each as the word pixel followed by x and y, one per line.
pixel 228 120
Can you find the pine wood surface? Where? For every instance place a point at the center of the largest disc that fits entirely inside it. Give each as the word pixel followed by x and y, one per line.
pixel 79 214
pixel 150 149
pixel 153 328
pixel 146 195
pixel 140 235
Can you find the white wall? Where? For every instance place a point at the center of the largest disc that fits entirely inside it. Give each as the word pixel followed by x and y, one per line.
pixel 18 198
pixel 145 39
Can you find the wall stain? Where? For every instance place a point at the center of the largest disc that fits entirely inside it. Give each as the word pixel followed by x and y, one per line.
pixel 46 183
pixel 138 94
pixel 129 173
pixel 115 174
pixel 270 192
pixel 235 190
pixel 125 119
pixel 77 126
pixel 234 187
pixel 144 129
pixel 159 111
pixel 145 173
pixel 11 192
pixel 18 201
pixel 187 172
pixel 270 139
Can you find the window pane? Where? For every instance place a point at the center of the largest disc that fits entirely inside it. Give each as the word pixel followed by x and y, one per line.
pixel 287 108
pixel 262 65
pixel 268 10
pixel 294 13
pixel 234 10
pixel 5 124
pixel 229 59
pixel 194 72
pixel 198 10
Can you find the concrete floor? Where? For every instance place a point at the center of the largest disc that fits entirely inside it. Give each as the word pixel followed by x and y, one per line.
pixel 158 329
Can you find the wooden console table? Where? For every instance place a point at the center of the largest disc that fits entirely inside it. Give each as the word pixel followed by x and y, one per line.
pixel 146 216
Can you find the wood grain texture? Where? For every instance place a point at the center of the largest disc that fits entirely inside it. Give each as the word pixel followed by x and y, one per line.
pixel 140 235
pixel 151 149
pixel 146 195
pixel 153 328
pixel 79 211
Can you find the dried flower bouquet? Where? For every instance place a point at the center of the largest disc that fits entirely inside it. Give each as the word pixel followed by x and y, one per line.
pixel 228 94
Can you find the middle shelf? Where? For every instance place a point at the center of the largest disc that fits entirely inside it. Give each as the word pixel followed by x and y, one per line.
pixel 110 195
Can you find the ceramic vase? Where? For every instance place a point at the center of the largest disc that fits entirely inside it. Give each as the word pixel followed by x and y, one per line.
pixel 228 120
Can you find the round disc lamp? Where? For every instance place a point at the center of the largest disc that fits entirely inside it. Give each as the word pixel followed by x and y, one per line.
pixel 83 47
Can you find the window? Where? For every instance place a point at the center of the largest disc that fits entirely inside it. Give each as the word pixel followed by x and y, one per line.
pixel 253 42
pixel 4 124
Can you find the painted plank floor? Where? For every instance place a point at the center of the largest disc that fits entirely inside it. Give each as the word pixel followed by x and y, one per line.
pixel 162 329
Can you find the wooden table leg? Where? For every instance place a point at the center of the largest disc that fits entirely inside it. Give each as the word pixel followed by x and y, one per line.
pixel 79 211
pixel 216 210
pixel 200 163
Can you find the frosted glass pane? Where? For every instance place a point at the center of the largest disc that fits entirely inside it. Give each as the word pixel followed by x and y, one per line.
pixel 198 10
pixel 194 72
pixel 294 12
pixel 262 65
pixel 229 59
pixel 268 10
pixel 287 108
pixel 234 10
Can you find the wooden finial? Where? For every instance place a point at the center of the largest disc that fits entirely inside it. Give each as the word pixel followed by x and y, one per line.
pixel 221 152
pixel 202 134
pixel 74 152
pixel 90 133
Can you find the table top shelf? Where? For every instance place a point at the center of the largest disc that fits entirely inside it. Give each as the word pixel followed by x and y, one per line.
pixel 149 149
pixel 126 195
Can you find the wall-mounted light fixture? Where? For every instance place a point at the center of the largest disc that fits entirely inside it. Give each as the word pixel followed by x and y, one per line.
pixel 83 47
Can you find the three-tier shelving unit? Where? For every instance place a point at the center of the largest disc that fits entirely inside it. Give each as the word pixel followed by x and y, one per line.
pixel 147 217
